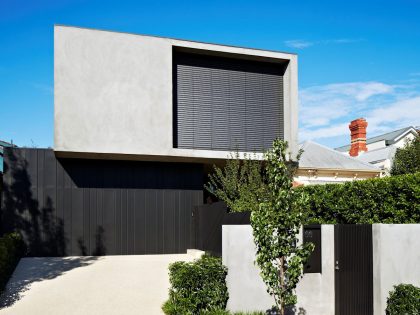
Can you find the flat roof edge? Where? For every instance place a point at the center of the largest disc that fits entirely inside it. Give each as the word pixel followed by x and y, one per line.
pixel 177 39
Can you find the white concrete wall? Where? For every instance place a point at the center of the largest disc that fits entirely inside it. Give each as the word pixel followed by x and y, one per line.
pixel 113 93
pixel 316 291
pixel 396 259
pixel 403 141
pixel 376 145
pixel 247 291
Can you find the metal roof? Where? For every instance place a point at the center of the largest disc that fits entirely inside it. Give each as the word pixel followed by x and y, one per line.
pixel 389 138
pixel 317 156
pixel 378 155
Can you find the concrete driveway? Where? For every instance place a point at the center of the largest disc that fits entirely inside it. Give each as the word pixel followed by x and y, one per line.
pixel 90 285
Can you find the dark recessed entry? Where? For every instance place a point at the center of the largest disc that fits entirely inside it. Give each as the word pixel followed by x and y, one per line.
pixel 223 103
pixel 312 234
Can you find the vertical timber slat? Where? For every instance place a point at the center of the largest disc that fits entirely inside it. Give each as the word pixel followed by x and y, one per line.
pixel 97 207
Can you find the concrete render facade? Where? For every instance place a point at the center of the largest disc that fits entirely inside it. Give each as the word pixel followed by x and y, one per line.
pixel 396 259
pixel 247 291
pixel 113 94
pixel 395 254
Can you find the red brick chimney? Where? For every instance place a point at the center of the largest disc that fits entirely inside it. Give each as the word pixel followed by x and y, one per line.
pixel 358 136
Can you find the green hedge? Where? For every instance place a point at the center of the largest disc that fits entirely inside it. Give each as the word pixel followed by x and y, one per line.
pixel 197 287
pixel 394 199
pixel 12 249
pixel 404 300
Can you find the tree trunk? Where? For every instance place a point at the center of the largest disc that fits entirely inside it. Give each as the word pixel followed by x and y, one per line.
pixel 281 306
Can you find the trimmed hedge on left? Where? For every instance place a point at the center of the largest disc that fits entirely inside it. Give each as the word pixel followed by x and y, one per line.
pixel 12 248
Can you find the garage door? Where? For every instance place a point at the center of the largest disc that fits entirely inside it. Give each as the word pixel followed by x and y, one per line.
pixel 99 207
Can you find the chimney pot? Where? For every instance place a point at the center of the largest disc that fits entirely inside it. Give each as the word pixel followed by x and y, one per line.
pixel 358 136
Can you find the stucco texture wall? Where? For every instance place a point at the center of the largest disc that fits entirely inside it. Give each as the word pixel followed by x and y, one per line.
pixel 396 259
pixel 247 291
pixel 113 93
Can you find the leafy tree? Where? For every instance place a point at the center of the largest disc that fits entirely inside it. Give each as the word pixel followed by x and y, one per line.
pixel 407 159
pixel 276 224
pixel 241 184
pixel 265 188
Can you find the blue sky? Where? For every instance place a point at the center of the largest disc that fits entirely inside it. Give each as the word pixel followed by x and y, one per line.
pixel 356 58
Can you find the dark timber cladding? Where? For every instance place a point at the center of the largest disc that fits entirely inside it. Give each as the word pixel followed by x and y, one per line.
pixel 226 104
pixel 97 207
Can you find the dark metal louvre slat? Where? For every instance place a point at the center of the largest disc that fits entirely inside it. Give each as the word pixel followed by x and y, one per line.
pixel 227 104
pixel 185 112
pixel 273 113
pixel 237 110
pixel 202 108
pixel 220 110
pixel 254 115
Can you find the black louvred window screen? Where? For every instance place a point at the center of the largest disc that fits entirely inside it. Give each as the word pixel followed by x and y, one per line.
pixel 226 104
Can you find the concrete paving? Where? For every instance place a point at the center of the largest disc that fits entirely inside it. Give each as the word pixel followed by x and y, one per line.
pixel 90 285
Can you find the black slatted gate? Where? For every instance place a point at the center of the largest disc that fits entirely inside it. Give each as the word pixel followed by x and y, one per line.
pixel 353 266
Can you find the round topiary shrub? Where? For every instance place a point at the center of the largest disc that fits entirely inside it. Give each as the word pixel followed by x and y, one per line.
pixel 403 300
pixel 197 287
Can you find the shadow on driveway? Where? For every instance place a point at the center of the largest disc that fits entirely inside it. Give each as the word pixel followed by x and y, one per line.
pixel 38 269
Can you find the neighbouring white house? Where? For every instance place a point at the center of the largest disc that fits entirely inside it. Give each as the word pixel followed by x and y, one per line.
pixel 322 165
pixel 379 150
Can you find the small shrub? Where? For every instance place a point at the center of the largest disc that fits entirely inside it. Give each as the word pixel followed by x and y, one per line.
pixel 404 300
pixel 12 249
pixel 197 287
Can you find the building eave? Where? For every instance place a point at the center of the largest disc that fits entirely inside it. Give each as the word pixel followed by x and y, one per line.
pixel 305 170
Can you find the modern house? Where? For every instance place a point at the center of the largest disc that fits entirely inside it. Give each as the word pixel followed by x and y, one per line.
pixel 378 150
pixel 322 165
pixel 139 121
